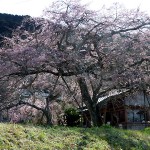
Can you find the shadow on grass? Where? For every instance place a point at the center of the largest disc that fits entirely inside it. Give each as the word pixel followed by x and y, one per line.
pixel 115 138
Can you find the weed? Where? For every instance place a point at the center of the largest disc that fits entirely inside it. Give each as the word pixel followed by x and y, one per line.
pixel 25 137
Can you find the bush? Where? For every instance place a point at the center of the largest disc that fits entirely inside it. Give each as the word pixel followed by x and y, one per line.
pixel 72 117
pixel 147 130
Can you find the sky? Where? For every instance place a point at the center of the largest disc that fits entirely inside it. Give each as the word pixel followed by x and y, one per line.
pixel 35 8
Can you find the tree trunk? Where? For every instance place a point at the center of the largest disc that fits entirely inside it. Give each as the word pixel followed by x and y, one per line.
pixel 48 118
pixel 91 105
pixel 47 112
pixel 95 115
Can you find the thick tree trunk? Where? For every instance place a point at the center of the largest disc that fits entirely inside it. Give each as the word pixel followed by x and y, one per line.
pixel 95 115
pixel 91 105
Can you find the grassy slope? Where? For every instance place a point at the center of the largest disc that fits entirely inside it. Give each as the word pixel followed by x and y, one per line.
pixel 28 137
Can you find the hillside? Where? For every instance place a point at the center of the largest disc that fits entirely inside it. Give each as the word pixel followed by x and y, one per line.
pixel 8 23
pixel 25 137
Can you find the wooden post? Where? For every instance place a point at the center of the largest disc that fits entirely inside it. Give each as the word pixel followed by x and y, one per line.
pixel 144 107
pixel 105 109
pixel 126 116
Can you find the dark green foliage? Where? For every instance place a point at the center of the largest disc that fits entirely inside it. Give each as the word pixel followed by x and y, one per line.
pixel 72 117
pixel 147 131
pixel 8 23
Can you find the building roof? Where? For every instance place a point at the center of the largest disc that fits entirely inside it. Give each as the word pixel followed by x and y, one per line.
pixel 112 94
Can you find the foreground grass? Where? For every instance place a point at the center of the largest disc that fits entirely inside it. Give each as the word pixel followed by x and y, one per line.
pixel 28 137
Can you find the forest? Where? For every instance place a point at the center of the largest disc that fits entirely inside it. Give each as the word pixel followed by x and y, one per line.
pixel 8 23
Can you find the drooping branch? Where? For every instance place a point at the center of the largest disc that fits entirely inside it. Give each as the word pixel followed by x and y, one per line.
pixel 10 106
pixel 32 105
pixel 19 104
pixel 130 29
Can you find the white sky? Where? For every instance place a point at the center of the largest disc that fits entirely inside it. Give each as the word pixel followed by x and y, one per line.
pixel 35 7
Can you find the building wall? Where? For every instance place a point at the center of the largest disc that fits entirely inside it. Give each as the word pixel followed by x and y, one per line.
pixel 135 126
pixel 137 99
pixel 137 111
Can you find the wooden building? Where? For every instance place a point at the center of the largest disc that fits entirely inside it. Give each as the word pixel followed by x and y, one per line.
pixel 126 110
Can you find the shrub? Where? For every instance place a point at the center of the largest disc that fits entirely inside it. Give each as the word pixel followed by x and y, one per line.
pixel 72 117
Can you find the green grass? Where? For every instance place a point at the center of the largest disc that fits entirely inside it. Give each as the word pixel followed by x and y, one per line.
pixel 29 137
